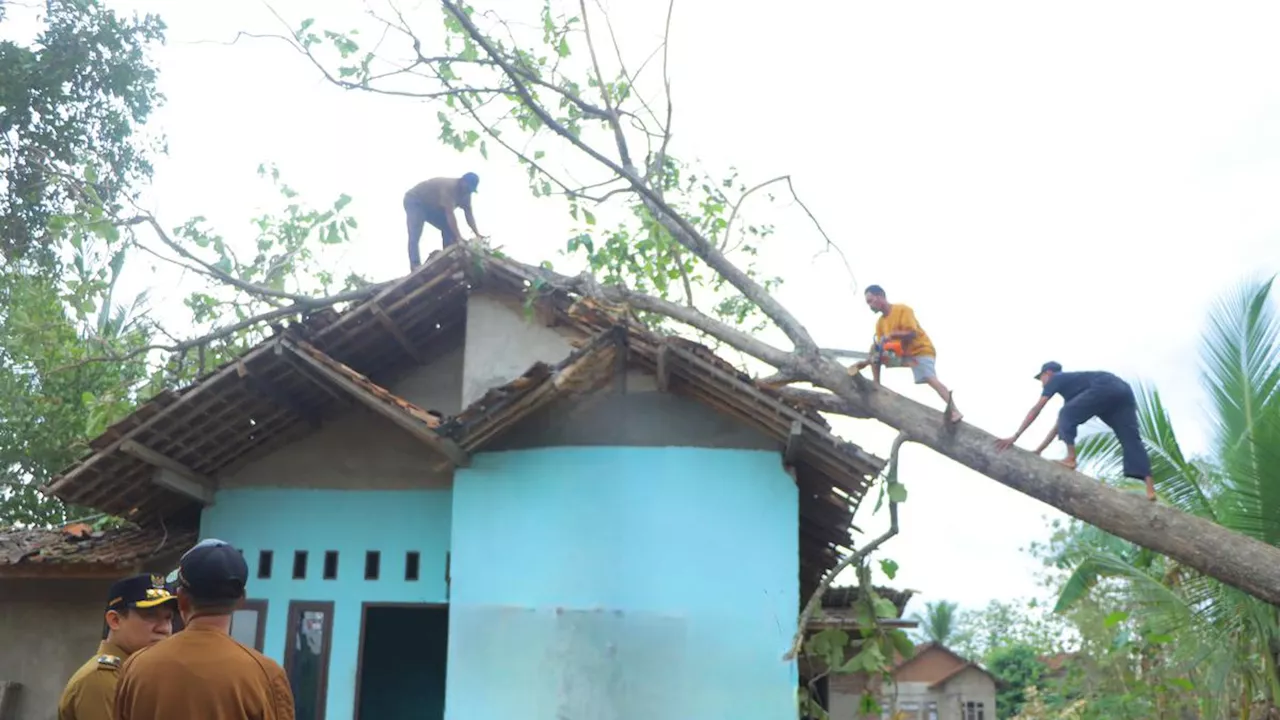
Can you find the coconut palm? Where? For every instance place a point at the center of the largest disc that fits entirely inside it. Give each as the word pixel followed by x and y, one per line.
pixel 938 624
pixel 1226 640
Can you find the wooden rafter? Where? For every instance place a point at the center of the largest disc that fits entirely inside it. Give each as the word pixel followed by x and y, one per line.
pixel 415 428
pixel 172 474
pixel 391 327
pixel 269 390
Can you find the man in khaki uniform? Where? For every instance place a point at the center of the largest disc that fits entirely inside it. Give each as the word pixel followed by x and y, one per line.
pixel 202 673
pixel 139 613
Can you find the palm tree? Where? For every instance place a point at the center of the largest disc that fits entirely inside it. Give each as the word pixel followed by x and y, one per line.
pixel 938 624
pixel 1227 641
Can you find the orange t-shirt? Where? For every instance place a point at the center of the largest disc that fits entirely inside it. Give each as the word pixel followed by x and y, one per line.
pixel 202 674
pixel 900 317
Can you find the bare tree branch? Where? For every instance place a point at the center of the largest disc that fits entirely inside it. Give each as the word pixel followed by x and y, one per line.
pixel 305 305
pixel 676 224
pixel 815 600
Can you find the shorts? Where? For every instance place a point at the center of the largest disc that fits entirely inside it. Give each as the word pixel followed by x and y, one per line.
pixel 922 368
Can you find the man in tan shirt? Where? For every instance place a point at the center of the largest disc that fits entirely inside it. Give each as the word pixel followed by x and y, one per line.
pixel 202 673
pixel 434 201
pixel 139 613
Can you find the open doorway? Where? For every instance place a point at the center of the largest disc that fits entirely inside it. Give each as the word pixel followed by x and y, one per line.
pixel 401 670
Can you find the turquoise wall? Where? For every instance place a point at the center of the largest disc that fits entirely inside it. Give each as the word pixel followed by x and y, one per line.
pixel 623 583
pixel 350 522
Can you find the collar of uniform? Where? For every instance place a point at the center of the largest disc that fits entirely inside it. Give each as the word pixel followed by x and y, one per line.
pixel 106 647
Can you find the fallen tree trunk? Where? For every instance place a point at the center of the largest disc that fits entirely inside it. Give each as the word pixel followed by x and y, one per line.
pixel 1237 560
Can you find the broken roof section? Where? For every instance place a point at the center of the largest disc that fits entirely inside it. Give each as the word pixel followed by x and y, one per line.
pixel 78 549
pixel 160 460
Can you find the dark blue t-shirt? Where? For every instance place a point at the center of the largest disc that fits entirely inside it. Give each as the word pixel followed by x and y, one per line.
pixel 1071 384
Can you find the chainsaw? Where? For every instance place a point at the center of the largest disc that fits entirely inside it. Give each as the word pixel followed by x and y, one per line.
pixel 889 353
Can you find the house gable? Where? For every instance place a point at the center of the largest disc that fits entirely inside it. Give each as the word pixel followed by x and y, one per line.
pixel 165 461
pixel 929 664
pixel 356 448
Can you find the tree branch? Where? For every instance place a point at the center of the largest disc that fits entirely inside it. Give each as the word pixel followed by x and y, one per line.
pixel 208 269
pixel 303 305
pixel 676 224
pixel 815 600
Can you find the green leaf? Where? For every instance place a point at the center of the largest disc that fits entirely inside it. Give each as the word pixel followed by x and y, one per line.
pixel 897 492
pixel 1115 618
pixel 885 608
pixel 889 568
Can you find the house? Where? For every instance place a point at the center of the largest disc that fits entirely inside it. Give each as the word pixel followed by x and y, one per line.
pixel 840 693
pixel 609 523
pixel 937 684
pixel 53 586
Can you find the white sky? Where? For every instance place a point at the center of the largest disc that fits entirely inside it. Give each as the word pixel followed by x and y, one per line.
pixel 1038 181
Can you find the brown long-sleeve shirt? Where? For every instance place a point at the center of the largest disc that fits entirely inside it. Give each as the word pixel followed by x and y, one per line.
pixel 202 674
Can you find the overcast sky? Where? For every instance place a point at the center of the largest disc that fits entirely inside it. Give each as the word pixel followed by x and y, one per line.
pixel 1073 182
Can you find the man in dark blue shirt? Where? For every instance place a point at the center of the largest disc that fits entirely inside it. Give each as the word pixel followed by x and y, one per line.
pixel 1087 395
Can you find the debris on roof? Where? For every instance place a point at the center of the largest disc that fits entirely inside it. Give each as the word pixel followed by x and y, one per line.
pixel 274 394
pixel 79 544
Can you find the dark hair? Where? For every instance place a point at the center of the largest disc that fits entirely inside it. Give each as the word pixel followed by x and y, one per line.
pixel 875 290
pixel 215 606
pixel 123 611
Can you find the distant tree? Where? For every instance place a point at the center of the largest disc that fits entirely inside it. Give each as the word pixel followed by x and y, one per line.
pixel 74 96
pixel 938 623
pixel 1018 667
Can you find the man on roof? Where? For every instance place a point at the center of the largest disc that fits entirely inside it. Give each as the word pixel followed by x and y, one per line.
pixel 901 342
pixel 1086 395
pixel 435 201
pixel 139 613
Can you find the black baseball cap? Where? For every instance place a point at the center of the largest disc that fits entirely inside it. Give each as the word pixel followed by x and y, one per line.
pixel 1051 365
pixel 139 591
pixel 213 570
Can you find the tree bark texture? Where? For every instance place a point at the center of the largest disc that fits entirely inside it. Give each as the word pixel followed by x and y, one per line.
pixel 1235 559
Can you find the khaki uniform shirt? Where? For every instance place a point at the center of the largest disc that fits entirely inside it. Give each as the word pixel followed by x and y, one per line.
pixel 202 674
pixel 91 692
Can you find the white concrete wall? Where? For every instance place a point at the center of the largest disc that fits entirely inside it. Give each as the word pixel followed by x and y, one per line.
pixel 502 341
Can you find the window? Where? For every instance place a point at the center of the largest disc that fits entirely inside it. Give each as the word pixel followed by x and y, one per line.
pixel 300 565
pixel 974 711
pixel 306 656
pixel 249 624
pixel 931 711
pixel 264 565
pixel 330 564
pixel 372 563
pixel 411 561
pixel 905 711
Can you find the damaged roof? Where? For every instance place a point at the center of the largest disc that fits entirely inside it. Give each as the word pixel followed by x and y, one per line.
pixel 161 459
pixel 78 546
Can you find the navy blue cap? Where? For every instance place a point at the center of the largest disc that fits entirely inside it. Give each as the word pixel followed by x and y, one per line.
pixel 213 570
pixel 140 591
pixel 1051 365
pixel 471 180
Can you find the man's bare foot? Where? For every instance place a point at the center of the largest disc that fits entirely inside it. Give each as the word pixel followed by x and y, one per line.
pixel 1069 463
pixel 955 416
pixel 1151 490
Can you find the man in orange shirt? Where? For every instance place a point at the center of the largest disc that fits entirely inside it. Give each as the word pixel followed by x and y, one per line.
pixel 898 325
pixel 202 673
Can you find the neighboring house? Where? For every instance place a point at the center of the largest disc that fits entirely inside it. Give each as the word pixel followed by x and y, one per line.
pixel 840 693
pixel 608 524
pixel 53 594
pixel 937 684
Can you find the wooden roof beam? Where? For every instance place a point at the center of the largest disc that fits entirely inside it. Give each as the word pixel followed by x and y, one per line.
pixel 419 431
pixel 173 475
pixel 794 439
pixel 270 391
pixel 394 330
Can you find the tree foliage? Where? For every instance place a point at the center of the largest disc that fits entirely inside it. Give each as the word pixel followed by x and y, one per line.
pixel 76 96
